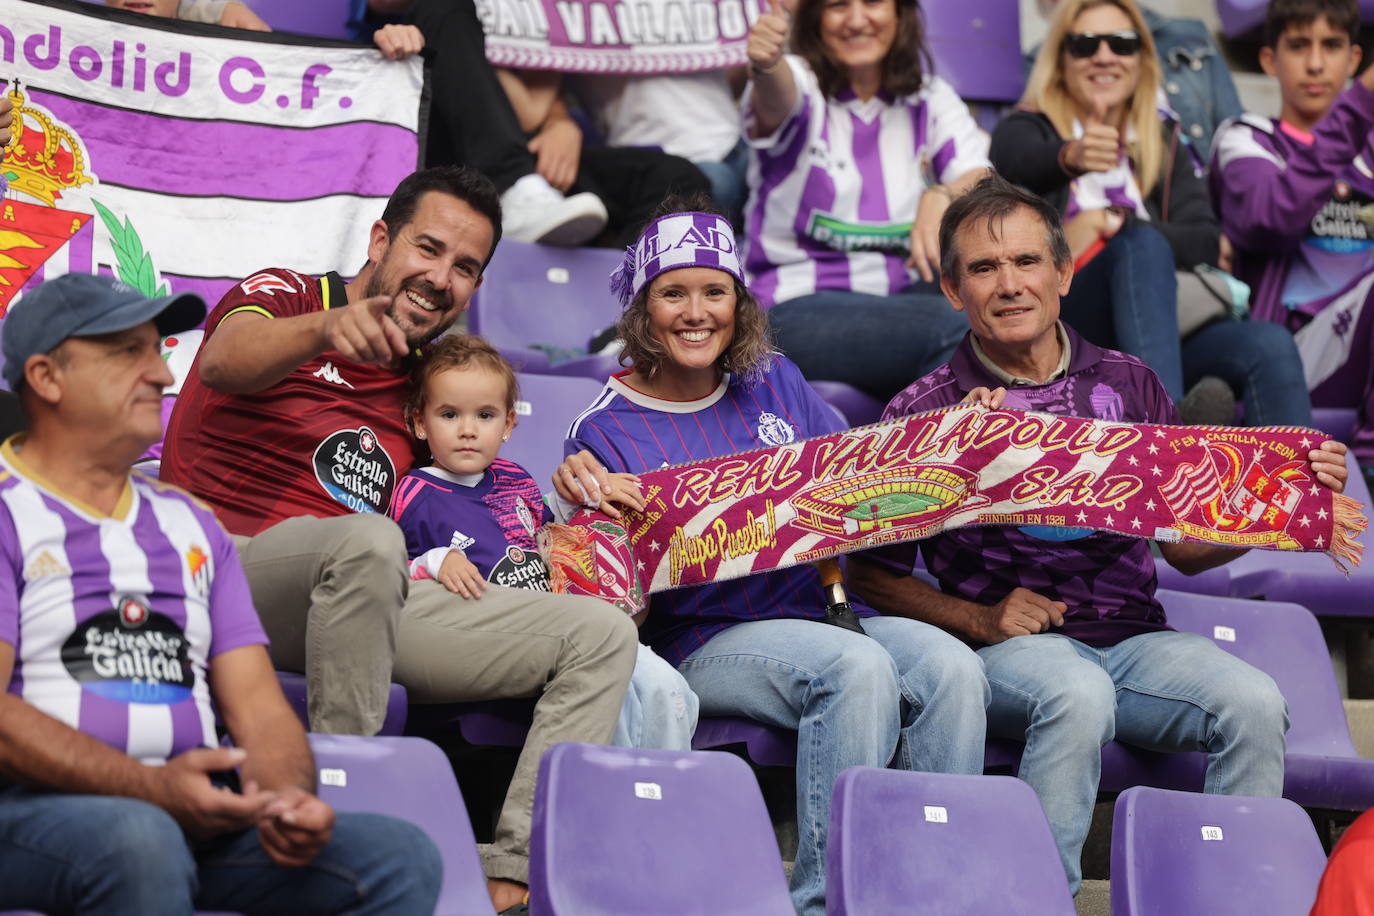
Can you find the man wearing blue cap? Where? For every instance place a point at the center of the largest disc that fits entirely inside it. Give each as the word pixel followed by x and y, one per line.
pixel 123 614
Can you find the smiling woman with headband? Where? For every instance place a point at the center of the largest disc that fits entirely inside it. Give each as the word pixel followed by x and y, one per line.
pixel 705 383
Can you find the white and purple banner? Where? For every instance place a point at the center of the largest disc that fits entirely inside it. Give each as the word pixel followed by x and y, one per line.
pixel 188 158
pixel 618 36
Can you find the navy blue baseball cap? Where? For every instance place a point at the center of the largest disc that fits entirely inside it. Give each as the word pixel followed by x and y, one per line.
pixel 86 305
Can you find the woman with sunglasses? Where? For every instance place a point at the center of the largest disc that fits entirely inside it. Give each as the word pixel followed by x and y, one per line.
pixel 1090 138
pixel 857 149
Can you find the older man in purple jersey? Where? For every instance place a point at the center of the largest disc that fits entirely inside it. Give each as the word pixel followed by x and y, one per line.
pixel 1075 645
pixel 123 614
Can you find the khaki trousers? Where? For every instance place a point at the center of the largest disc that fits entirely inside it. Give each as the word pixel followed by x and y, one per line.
pixel 337 605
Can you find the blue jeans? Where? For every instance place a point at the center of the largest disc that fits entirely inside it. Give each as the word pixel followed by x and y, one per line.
pixel 1126 298
pixel 912 695
pixel 1164 691
pixel 878 344
pixel 660 710
pixel 98 854
pixel 1260 362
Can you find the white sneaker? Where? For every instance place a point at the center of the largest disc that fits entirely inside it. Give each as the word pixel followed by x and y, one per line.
pixel 532 210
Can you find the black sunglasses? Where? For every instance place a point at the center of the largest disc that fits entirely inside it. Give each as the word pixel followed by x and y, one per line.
pixel 1085 44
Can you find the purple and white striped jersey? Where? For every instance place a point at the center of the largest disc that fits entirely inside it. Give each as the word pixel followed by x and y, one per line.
pixel 629 430
pixel 114 619
pixel 833 191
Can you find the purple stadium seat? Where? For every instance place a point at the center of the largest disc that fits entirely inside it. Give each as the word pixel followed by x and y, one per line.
pixel 1215 581
pixel 961 845
pixel 1310 579
pixel 858 408
pixel 321 18
pixel 411 779
pixel 547 405
pixel 1336 422
pixel 1223 855
pixel 977 47
pixel 1321 768
pixel 638 831
pixel 1240 18
pixel 498 723
pixel 766 745
pixel 542 294
pixel 293 685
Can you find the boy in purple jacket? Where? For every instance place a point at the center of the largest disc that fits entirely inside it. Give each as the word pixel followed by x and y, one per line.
pixel 1296 198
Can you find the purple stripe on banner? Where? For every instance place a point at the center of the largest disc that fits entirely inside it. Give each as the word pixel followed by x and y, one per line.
pixel 943 157
pixel 174 156
pixel 35 278
pixel 868 160
pixel 211 289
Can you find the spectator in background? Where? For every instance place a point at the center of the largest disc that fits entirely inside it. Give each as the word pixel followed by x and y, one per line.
pixel 473 122
pixel 1198 90
pixel 1088 138
pixel 630 181
pixel 1296 196
pixel 692 115
pixel 857 149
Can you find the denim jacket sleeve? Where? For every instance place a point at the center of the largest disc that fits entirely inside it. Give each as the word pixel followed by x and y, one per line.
pixel 1196 79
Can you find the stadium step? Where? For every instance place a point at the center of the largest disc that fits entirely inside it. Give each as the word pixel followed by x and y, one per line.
pixel 1360 715
pixel 1094 898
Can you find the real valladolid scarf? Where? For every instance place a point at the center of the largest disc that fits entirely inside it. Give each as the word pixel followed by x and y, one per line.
pixel 913 477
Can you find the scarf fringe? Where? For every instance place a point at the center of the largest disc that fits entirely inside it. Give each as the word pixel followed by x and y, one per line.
pixel 570 554
pixel 1350 522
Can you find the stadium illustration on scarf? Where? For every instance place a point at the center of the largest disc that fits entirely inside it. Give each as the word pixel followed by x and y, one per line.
pixel 914 477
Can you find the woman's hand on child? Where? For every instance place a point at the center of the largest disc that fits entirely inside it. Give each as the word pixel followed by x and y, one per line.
pixel 457 574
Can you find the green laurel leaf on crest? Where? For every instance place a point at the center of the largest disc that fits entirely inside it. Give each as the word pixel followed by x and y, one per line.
pixel 133 265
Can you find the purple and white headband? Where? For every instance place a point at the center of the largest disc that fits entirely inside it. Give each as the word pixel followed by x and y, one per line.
pixel 674 241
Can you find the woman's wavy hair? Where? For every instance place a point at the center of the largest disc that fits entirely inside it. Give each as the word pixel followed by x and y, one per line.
pixel 904 68
pixel 1045 91
pixel 750 350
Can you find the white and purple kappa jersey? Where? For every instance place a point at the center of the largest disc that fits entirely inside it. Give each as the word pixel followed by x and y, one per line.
pixel 114 619
pixel 631 431
pixel 833 191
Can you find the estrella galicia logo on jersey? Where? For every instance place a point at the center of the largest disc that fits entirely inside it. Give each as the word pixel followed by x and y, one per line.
pixel 774 430
pixel 520 569
pixel 130 654
pixel 354 469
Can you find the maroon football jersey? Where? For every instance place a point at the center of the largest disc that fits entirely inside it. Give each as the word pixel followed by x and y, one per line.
pixel 328 439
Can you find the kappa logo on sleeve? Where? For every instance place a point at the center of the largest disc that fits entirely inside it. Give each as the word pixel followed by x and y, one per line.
pixel 266 283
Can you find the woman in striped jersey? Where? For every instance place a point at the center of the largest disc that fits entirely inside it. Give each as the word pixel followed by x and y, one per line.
pixel 857 149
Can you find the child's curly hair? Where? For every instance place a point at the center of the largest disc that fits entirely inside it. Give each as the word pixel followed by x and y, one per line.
pixel 456 351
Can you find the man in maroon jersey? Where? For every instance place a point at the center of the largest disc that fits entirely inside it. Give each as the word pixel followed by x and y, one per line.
pixel 290 426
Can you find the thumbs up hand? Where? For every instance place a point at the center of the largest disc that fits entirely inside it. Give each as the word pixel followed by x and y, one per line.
pixel 768 39
pixel 1099 149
